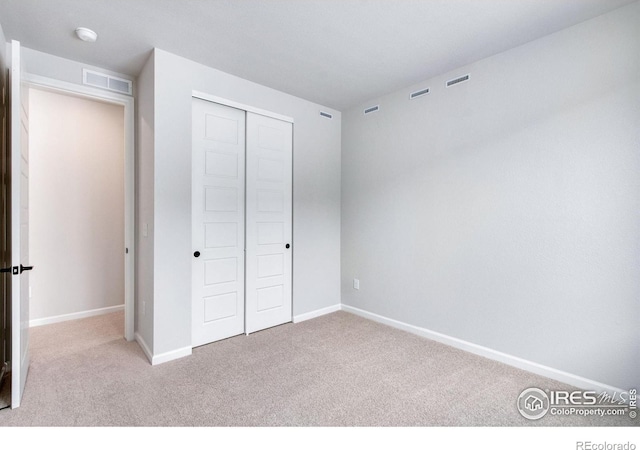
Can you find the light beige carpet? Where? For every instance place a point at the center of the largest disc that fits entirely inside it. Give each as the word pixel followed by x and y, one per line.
pixel 338 370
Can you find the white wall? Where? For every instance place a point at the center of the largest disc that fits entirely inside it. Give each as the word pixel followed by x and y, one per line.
pixel 144 204
pixel 316 208
pixel 504 211
pixel 76 204
pixel 51 66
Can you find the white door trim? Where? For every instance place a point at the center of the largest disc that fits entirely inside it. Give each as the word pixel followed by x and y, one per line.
pixel 248 108
pixel 19 297
pixel 129 176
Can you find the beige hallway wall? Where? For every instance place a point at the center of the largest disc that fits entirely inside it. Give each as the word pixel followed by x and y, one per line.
pixel 77 204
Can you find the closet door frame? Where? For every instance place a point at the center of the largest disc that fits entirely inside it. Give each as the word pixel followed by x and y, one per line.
pixel 248 108
pixel 251 109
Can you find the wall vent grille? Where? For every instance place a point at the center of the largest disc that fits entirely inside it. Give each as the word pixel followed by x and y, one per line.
pixel 326 114
pixel 108 82
pixel 419 93
pixel 458 80
pixel 371 109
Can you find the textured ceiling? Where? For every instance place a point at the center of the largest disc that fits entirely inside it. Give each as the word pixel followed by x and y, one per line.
pixel 335 52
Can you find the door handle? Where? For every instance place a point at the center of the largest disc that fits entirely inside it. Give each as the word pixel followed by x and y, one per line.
pixel 287 246
pixel 196 254
pixel 16 270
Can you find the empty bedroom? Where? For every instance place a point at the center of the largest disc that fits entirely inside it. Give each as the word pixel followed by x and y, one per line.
pixel 321 214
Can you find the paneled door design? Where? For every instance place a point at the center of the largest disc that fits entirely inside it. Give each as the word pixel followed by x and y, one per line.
pixel 218 222
pixel 19 227
pixel 269 227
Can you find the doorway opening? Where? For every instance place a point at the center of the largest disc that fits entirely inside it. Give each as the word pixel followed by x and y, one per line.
pixel 97 197
pixel 76 207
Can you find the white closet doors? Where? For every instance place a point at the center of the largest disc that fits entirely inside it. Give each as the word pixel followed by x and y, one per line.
pixel 241 222
pixel 218 189
pixel 269 230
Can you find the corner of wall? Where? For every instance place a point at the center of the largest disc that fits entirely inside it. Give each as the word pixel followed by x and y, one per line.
pixel 316 199
pixel 488 222
pixel 144 238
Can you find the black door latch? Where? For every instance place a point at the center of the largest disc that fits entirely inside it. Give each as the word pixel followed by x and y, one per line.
pixel 16 270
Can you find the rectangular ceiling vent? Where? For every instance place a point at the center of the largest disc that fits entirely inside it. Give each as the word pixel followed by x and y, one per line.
pixel 326 114
pixel 371 109
pixel 419 93
pixel 108 82
pixel 458 80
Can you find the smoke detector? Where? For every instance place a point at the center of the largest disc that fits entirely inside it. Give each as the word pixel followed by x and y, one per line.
pixel 86 34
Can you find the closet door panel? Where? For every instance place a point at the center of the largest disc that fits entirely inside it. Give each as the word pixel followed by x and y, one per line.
pixel 218 220
pixel 269 199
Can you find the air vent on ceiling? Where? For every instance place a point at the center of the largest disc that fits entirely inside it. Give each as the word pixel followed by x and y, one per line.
pixel 326 114
pixel 419 93
pixel 458 80
pixel 371 109
pixel 108 82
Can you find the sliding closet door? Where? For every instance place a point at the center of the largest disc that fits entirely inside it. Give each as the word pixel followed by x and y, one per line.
pixel 268 222
pixel 218 191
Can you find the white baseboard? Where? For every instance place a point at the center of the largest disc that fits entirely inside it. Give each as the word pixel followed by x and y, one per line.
pixel 162 357
pixel 316 313
pixel 514 361
pixel 143 345
pixel 170 356
pixel 75 316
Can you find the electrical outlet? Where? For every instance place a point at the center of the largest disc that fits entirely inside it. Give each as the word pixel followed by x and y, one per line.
pixel 356 283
